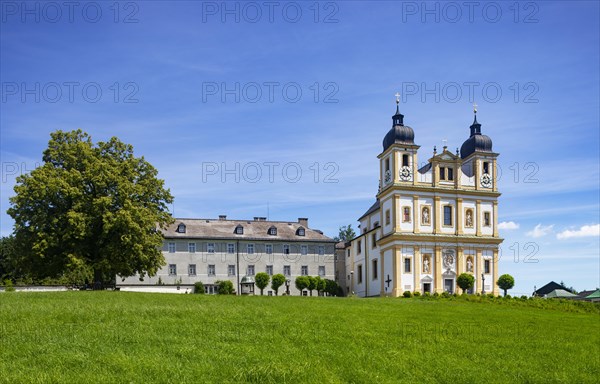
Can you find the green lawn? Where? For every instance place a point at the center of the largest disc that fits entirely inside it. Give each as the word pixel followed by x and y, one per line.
pixel 119 337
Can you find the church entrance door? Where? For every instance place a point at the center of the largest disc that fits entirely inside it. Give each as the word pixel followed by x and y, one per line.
pixel 448 285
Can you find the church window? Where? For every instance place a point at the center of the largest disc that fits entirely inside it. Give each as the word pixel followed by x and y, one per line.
pixel 407 265
pixel 387 217
pixel 359 277
pixel 374 240
pixel 405 160
pixel 387 164
pixel 442 173
pixel 486 219
pixel 448 215
pixel 348 253
pixel 486 167
pixel 374 269
pixel 359 246
pixel 450 174
pixel 486 266
pixel 406 214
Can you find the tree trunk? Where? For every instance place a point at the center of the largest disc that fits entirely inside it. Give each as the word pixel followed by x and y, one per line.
pixel 505 292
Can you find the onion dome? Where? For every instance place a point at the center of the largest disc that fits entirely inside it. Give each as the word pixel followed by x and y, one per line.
pixel 400 133
pixel 477 142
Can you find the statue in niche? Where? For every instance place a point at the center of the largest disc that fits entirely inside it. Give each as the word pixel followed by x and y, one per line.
pixel 426 264
pixel 425 216
pixel 469 264
pixel 469 219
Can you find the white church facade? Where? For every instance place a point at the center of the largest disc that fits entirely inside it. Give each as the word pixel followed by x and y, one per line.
pixel 429 224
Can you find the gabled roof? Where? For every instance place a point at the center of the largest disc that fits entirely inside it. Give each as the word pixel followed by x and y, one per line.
pixel 595 295
pixel 253 230
pixel 551 286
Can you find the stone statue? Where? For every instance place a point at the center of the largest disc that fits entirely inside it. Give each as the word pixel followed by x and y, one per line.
pixel 425 216
pixel 426 265
pixel 469 265
pixel 469 219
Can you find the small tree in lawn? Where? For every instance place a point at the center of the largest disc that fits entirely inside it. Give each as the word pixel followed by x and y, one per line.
pixel 331 287
pixel 465 281
pixel 321 284
pixel 277 281
pixel 302 282
pixel 312 284
pixel 506 282
pixel 262 281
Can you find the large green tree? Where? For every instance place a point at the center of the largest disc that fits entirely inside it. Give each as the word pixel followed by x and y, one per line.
pixel 262 280
pixel 90 206
pixel 302 283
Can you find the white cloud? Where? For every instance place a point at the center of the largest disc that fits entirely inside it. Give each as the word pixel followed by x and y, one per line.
pixel 540 231
pixel 584 231
pixel 508 225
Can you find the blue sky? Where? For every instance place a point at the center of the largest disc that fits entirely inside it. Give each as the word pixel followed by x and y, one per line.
pixel 303 93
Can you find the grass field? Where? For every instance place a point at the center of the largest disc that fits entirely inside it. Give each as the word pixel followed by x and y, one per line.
pixel 119 337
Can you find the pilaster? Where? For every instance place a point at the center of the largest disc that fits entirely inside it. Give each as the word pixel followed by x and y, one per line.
pixel 438 270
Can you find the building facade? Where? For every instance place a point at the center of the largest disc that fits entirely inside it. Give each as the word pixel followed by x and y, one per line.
pixel 429 224
pixel 211 250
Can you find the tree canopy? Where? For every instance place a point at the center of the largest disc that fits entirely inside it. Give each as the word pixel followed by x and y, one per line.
pixel 346 233
pixel 506 282
pixel 277 281
pixel 262 280
pixel 465 281
pixel 95 207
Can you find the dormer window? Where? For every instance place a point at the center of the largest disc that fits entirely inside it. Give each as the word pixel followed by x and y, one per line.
pixel 181 228
pixel 301 231
pixel 239 230
pixel 272 231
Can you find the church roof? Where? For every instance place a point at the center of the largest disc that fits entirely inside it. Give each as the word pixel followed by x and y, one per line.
pixel 551 286
pixel 400 133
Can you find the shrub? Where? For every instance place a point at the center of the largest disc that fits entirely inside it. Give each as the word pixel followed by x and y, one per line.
pixel 225 287
pixel 490 295
pixel 445 294
pixel 465 281
pixel 523 297
pixel 199 288
pixel 8 286
pixel 407 294
pixel 427 294
pixel 507 296
pixel 435 294
pixel 417 294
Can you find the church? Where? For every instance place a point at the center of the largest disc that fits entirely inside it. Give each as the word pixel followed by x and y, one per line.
pixel 428 224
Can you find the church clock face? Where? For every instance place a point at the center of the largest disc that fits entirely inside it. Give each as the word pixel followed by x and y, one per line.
pixel 405 173
pixel 486 180
pixel 387 176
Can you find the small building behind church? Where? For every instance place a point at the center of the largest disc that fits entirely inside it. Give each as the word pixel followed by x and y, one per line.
pixel 210 250
pixel 428 223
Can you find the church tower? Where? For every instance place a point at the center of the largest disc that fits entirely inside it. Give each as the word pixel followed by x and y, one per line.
pixel 428 224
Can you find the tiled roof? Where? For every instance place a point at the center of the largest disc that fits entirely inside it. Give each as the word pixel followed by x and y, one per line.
pixel 253 229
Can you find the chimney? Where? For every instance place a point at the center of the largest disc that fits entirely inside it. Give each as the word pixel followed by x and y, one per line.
pixel 256 218
pixel 303 221
pixel 222 217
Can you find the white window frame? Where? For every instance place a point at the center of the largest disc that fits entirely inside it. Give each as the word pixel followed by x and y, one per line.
pixel 172 269
pixel 210 247
pixel 192 270
pixel 191 247
pixel 171 247
pixel 250 249
pixel 304 270
pixel 231 270
pixel 230 248
pixel 268 249
pixel 211 270
pixel 304 249
pixel 321 250
pixel 321 270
